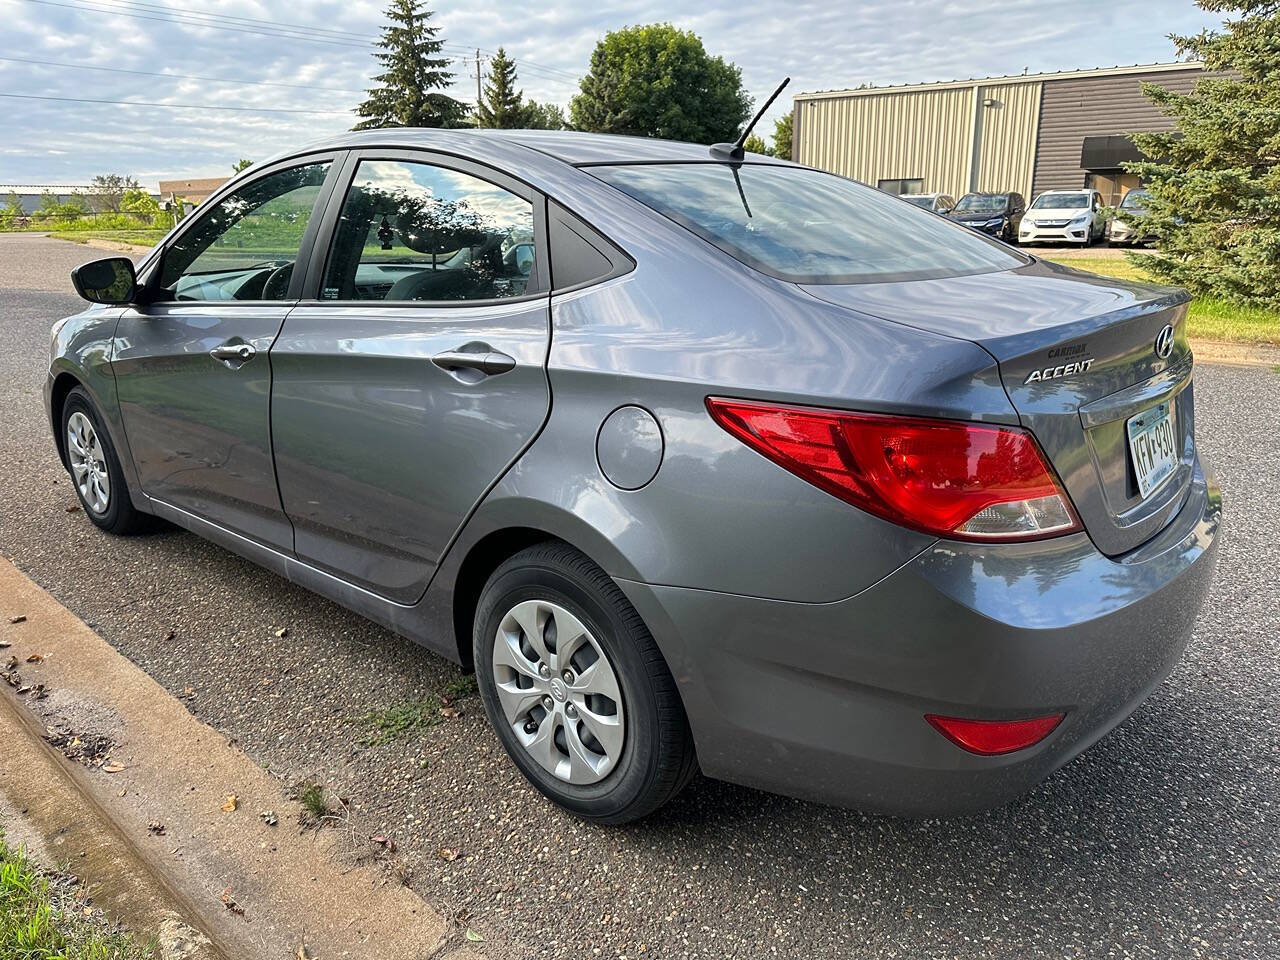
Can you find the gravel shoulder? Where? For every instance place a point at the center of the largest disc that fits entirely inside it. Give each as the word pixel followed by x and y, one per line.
pixel 1163 841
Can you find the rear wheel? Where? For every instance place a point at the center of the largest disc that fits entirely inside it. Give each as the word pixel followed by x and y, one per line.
pixel 576 688
pixel 95 468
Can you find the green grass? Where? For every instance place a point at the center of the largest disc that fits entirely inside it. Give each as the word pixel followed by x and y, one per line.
pixel 39 921
pixel 142 237
pixel 314 801
pixel 400 720
pixel 1207 318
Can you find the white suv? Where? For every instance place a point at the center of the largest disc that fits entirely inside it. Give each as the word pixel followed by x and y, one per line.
pixel 1063 216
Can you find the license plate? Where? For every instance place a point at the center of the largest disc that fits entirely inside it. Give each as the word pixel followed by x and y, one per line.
pixel 1153 447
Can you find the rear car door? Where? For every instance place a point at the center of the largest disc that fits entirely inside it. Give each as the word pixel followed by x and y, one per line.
pixel 192 363
pixel 415 374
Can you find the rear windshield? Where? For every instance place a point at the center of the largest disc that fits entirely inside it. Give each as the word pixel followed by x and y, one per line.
pixel 809 227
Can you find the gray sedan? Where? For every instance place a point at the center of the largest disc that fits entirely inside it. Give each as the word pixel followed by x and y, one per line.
pixel 698 462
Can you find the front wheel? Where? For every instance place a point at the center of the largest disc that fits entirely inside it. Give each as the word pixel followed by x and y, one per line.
pixel 95 467
pixel 576 687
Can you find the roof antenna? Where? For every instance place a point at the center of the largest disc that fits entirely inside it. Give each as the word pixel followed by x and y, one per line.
pixel 733 151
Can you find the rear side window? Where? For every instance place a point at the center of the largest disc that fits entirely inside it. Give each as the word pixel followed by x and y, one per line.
pixel 809 227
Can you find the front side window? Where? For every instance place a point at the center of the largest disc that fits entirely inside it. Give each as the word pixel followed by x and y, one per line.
pixel 807 226
pixel 414 231
pixel 245 247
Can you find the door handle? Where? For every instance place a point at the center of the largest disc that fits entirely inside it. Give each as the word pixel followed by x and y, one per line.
pixel 487 361
pixel 233 351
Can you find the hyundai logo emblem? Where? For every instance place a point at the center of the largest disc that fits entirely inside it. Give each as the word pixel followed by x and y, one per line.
pixel 1164 342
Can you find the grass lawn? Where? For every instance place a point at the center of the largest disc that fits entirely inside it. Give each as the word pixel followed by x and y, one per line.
pixel 42 920
pixel 1207 319
pixel 143 237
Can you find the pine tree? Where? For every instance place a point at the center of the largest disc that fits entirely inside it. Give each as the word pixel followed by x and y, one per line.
pixel 412 72
pixel 1214 180
pixel 501 104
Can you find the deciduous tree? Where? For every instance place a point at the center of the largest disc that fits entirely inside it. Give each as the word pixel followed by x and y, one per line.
pixel 782 136
pixel 657 81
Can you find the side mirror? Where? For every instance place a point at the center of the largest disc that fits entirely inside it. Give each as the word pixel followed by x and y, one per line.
pixel 111 281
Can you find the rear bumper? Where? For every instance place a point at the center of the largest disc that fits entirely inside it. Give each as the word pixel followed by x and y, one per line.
pixel 827 701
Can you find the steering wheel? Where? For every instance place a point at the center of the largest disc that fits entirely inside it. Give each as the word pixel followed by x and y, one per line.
pixel 276 286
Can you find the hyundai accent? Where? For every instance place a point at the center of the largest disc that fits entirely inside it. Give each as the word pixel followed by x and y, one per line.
pixel 699 461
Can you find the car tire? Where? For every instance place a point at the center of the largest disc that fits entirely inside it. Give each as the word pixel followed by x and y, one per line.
pixel 648 750
pixel 91 442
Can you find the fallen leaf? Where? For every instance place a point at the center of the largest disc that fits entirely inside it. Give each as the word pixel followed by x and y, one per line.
pixel 269 817
pixel 170 635
pixel 36 658
pixel 385 842
pixel 113 768
pixel 232 801
pixel 473 936
pixel 449 854
pixel 18 619
pixel 449 712
pixel 230 903
pixel 282 632
pixel 156 827
pixel 73 508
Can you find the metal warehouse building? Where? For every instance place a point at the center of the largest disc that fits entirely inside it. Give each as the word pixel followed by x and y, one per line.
pixel 1026 133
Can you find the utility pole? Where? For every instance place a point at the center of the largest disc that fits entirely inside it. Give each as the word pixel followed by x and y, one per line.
pixel 479 74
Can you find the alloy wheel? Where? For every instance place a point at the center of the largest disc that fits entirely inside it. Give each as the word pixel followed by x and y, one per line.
pixel 88 463
pixel 559 692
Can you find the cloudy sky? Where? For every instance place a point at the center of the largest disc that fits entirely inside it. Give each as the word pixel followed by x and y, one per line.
pixel 263 62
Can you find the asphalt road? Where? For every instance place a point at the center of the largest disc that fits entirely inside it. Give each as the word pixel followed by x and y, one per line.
pixel 1162 841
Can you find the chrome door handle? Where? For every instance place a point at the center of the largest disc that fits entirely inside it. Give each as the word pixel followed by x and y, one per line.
pixel 233 351
pixel 489 362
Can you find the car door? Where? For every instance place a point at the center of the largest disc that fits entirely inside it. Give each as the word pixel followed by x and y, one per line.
pixel 192 363
pixel 416 373
pixel 1017 207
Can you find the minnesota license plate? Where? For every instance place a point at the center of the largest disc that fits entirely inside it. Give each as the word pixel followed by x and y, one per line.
pixel 1153 447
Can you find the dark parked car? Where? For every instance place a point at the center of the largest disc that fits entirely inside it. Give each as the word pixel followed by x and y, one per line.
pixel 698 463
pixel 995 213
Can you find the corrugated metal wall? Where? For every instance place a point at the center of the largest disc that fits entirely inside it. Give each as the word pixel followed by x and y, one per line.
pixel 1071 110
pixel 874 137
pixel 1007 137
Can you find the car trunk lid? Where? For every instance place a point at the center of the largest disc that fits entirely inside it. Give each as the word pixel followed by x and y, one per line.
pixel 1078 358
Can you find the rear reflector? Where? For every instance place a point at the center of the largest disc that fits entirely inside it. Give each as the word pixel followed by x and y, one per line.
pixel 964 481
pixel 993 737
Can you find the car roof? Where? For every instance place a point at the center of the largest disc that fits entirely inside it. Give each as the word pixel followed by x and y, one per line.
pixel 570 146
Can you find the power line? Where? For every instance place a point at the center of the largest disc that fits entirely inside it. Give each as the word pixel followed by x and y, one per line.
pixel 235 19
pixel 177 76
pixel 278 35
pixel 175 106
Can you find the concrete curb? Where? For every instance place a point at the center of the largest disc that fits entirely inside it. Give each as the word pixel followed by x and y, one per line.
pixel 257 890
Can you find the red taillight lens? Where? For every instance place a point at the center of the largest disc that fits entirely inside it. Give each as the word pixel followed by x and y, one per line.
pixel 966 481
pixel 993 737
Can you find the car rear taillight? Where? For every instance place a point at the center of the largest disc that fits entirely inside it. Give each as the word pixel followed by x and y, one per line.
pixel 964 481
pixel 991 738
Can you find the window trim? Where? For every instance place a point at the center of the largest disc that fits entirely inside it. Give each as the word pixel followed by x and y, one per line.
pixel 323 241
pixel 154 266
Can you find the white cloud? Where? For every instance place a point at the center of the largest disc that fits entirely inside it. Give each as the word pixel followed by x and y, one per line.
pixel 820 45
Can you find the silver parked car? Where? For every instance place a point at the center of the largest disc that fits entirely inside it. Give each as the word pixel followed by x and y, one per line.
pixel 699 464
